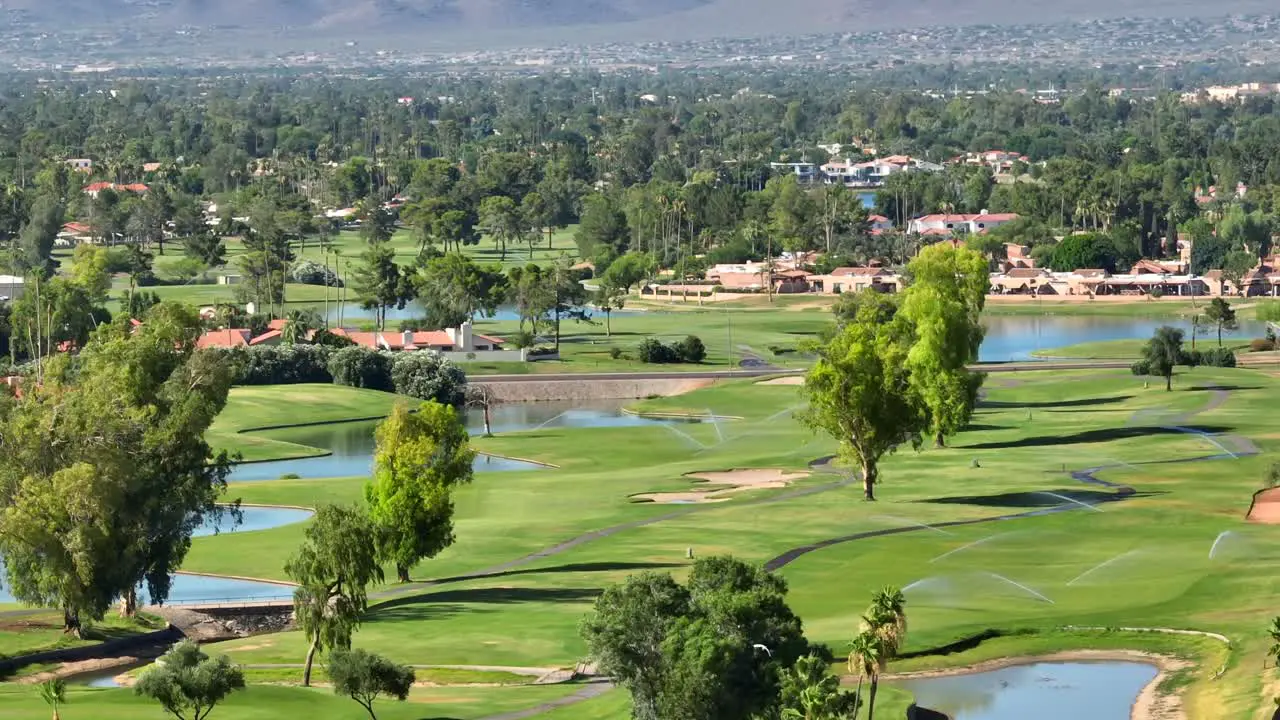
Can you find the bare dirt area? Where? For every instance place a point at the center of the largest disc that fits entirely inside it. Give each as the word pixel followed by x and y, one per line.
pixel 722 485
pixel 1152 704
pixel 788 380
pixel 1266 507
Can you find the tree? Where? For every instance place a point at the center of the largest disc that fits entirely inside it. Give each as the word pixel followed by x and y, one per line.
pixel 1220 314
pixel 429 376
pixel 378 282
pixel 501 218
pixel 602 233
pixel 91 514
pixel 378 226
pixel 36 239
pixel 187 683
pixel 616 282
pixel 1235 267
pixel 453 289
pixel 810 692
pixel 943 306
pixel 537 216
pixel 363 676
pixel 54 693
pixel 864 661
pixel 859 393
pixel 297 324
pixel 205 247
pixel 420 458
pixel 1162 353
pixel 694 650
pixel 90 269
pixel 1086 250
pixel 1273 631
pixel 333 569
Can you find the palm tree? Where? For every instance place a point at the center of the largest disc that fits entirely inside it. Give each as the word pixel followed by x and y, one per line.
pixel 1274 632
pixel 865 661
pixel 54 693
pixel 296 325
pixel 888 607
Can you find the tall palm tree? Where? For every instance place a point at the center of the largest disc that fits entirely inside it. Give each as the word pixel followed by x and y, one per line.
pixel 888 609
pixel 1274 632
pixel 865 661
pixel 54 692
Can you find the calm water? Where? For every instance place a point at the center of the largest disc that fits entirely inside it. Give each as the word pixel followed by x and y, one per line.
pixel 1016 337
pixel 255 518
pixel 352 443
pixel 192 589
pixel 1044 691
pixel 867 198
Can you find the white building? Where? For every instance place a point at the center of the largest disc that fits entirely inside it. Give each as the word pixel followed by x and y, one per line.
pixel 11 287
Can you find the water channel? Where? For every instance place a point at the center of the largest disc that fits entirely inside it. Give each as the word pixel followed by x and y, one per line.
pixel 352 443
pixel 1044 691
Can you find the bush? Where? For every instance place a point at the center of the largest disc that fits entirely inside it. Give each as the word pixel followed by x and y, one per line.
pixel 428 376
pixel 653 352
pixel 361 367
pixel 1142 367
pixel 1218 357
pixel 615 353
pixel 1262 345
pixel 691 350
pixel 307 272
pixel 285 365
pixel 522 339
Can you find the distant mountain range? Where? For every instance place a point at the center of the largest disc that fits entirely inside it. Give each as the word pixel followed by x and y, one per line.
pixel 610 19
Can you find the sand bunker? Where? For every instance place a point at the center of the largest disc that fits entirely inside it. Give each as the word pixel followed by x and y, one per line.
pixel 788 380
pixel 1266 507
pixel 726 483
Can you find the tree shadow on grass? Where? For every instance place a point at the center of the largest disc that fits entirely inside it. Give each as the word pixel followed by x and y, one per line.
pixel 985 428
pixel 1034 499
pixel 567 568
pixel 1093 436
pixel 1228 388
pixel 1079 402
pixel 450 602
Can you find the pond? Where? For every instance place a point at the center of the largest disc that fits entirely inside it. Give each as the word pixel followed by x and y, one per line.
pixel 1016 337
pixel 199 589
pixel 352 443
pixel 255 518
pixel 1045 691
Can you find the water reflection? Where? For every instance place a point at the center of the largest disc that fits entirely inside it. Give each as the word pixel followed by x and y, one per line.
pixel 1016 337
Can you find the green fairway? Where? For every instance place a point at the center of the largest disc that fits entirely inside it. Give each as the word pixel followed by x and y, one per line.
pixel 267 702
pixel 1136 556
pixel 38 632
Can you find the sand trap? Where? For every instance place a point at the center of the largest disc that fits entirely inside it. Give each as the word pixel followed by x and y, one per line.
pixel 1266 507
pixel 788 380
pixel 728 482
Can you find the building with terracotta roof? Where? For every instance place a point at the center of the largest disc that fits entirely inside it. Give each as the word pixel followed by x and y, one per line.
pixel 959 224
pixel 857 279
pixel 226 338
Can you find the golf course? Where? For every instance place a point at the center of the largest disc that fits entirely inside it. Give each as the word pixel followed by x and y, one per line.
pixel 1078 510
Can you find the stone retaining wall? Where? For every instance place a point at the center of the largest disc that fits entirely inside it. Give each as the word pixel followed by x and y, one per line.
pixel 551 389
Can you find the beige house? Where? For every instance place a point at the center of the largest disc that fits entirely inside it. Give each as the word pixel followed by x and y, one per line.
pixel 856 279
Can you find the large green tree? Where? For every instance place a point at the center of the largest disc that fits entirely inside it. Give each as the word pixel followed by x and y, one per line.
pixel 379 283
pixel 419 459
pixel 1220 314
pixel 943 306
pixel 187 683
pixel 334 567
pixel 1161 354
pixel 363 677
pixel 454 290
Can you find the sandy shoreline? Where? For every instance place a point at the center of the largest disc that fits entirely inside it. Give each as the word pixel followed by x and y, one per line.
pixel 1150 704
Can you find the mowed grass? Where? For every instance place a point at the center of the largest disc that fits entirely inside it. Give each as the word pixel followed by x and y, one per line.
pixel 1138 561
pixel 42 631
pixel 268 702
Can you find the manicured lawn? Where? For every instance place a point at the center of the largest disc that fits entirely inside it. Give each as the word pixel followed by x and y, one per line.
pixel 42 631
pixel 267 702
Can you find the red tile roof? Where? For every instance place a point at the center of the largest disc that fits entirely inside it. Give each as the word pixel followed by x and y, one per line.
pixel 235 337
pixel 76 227
pixel 265 337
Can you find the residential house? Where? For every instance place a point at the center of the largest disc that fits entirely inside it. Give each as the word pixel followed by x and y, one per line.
pixel 879 224
pixel 226 338
pixel 872 173
pixel 959 224
pixel 74 233
pixel 1017 256
pixel 805 172
pixel 84 165
pixel 856 279
pixel 11 287
pixel 95 189
pixel 1158 267
pixel 460 340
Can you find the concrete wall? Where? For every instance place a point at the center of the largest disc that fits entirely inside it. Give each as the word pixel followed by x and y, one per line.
pixel 548 390
pixel 489 355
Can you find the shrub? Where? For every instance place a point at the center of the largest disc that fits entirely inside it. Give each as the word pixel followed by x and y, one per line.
pixel 615 353
pixel 428 376
pixel 284 365
pixel 1191 358
pixel 522 339
pixel 330 340
pixel 1262 345
pixel 654 352
pixel 1141 367
pixel 361 367
pixel 307 272
pixel 1218 357
pixel 691 350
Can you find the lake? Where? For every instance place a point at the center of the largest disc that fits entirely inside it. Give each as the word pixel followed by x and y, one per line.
pixel 1016 337
pixel 1044 691
pixel 352 443
pixel 351 312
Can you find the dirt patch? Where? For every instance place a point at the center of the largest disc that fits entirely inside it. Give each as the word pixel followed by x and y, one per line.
pixel 1266 507
pixel 788 380
pixel 726 483
pixel 79 668
pixel 1152 704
